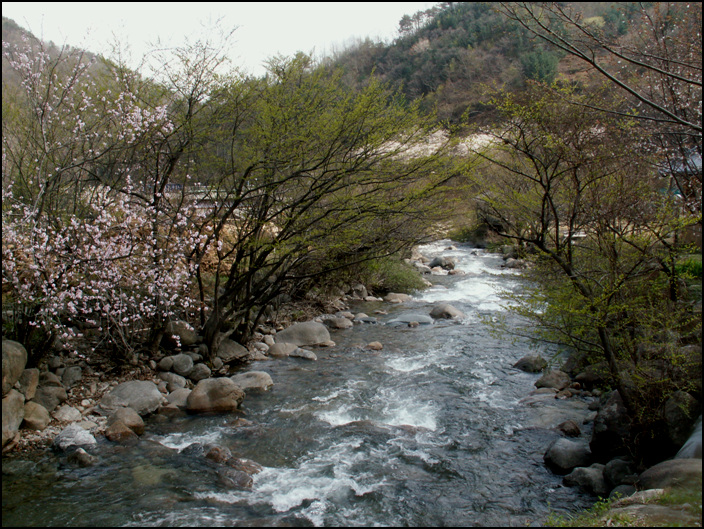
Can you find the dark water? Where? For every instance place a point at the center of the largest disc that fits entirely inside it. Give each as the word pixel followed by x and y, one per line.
pixel 433 430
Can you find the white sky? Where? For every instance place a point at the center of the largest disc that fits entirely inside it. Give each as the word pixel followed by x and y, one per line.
pixel 264 29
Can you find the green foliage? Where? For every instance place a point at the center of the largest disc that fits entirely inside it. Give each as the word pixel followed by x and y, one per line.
pixel 540 66
pixel 391 275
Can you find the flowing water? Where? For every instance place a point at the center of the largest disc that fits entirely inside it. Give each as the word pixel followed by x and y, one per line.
pixel 435 429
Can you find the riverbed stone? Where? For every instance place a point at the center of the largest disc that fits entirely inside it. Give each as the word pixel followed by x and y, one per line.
pixel 282 349
pixel 143 396
pixel 183 364
pixel 179 397
pixel 14 360
pixel 71 376
pixel 531 364
pixel 338 323
pixel 173 381
pixel 564 455
pixel 12 415
pixel 620 471
pixel 299 352
pixel 253 380
pixel 50 396
pixel 199 372
pixel 36 416
pixel 215 395
pixel 446 311
pixel 672 473
pixel 230 351
pixel 73 435
pixel 66 413
pixel 119 432
pixel 129 418
pixel 410 319
pixel 305 333
pixel 29 381
pixel 589 478
pixel 395 297
pixel 554 379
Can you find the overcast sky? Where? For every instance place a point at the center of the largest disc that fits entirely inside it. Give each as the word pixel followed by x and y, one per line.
pixel 264 29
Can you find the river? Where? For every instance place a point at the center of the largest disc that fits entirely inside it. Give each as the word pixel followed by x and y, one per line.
pixel 435 429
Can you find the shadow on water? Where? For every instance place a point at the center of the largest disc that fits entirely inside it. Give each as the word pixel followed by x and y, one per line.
pixel 428 431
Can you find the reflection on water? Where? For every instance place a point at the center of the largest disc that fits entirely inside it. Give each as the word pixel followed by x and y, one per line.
pixel 428 431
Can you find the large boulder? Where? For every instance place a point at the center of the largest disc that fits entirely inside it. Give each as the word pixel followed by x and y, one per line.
pixel 443 262
pixel 50 396
pixel 29 382
pixel 554 379
pixel 563 455
pixel 589 478
pixel 182 364
pixel 338 323
pixel 672 473
pixel 143 396
pixel 71 376
pixel 36 416
pixel 230 351
pixel 14 359
pixel 446 311
pixel 73 435
pixel 258 380
pixel 129 418
pixel 531 364
pixel 612 428
pixel 692 448
pixel 306 333
pixel 282 349
pixel 12 413
pixel 214 395
pixel 173 381
pixel 394 297
pixel 410 318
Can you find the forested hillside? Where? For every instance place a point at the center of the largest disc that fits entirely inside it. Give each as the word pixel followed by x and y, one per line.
pixel 451 53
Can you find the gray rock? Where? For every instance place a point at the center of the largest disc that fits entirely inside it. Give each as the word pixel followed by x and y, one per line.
pixel 282 349
pixel 446 263
pixel 129 418
pixel 199 372
pixel 67 413
pixel 554 379
pixel 71 376
pixel 394 297
pixel 215 395
pixel 446 311
pixel 564 454
pixel 173 381
pixel 531 364
pixel 672 473
pixel 50 396
pixel 406 319
pixel 620 472
pixel 229 351
pixel 622 491
pixel 81 458
pixel 29 381
pixel 166 363
pixel 303 353
pixel 258 380
pixel 179 397
pixel 590 479
pixel 49 379
pixel 73 435
pixel 119 432
pixel 692 448
pixel 14 360
pixel 12 414
pixel 142 396
pixel 358 291
pixel 306 333
pixel 338 323
pixel 36 416
pixel 183 364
